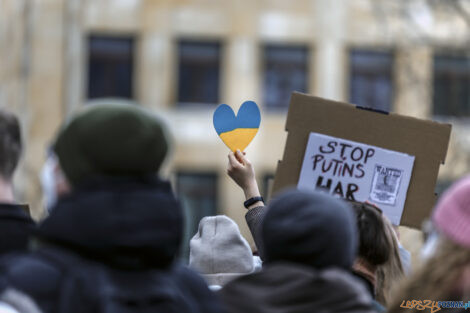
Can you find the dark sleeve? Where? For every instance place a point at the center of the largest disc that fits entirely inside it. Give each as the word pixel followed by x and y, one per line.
pixel 36 279
pixel 253 219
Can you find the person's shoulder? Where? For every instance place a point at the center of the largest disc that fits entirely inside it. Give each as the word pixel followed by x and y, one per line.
pixel 47 275
pixel 195 289
pixel 29 280
pixel 30 273
pixel 10 212
pixel 187 276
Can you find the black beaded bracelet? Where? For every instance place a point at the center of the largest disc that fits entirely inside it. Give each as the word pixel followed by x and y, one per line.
pixel 251 201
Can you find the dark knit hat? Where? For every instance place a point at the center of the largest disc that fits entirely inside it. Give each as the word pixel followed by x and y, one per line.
pixel 109 140
pixel 310 228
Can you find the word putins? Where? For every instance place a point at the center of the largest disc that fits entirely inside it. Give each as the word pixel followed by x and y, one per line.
pixel 435 306
pixel 350 163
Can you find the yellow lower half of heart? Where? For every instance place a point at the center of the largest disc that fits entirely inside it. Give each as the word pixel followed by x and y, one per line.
pixel 239 138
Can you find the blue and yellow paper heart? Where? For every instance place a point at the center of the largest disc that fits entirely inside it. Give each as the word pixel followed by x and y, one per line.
pixel 237 131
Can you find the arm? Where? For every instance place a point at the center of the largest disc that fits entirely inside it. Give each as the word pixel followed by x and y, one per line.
pixel 242 172
pixel 253 218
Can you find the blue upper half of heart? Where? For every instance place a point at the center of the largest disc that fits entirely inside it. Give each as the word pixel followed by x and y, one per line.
pixel 225 120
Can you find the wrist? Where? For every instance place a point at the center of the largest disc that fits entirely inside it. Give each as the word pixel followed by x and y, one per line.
pixel 253 202
pixel 251 190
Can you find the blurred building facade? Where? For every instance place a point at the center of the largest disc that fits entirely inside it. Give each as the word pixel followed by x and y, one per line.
pixel 183 57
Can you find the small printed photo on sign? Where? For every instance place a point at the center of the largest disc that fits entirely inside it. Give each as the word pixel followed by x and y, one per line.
pixel 385 185
pixel 358 172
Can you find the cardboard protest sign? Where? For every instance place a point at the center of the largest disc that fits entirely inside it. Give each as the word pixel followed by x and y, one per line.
pixel 237 131
pixel 357 172
pixel 391 136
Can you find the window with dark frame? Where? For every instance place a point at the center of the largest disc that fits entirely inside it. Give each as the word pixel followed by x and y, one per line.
pixel 110 66
pixel 451 95
pixel 198 195
pixel 285 70
pixel 198 72
pixel 371 79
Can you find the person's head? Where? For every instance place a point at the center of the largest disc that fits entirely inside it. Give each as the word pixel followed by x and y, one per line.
pixel 10 145
pixel 450 219
pixel 444 276
pixel 219 252
pixel 374 244
pixel 446 272
pixel 309 228
pixel 451 216
pixel 110 140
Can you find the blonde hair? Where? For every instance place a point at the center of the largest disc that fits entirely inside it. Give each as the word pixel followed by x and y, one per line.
pixel 390 274
pixel 438 279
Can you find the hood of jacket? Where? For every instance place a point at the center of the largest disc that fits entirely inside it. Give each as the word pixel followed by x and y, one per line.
pixel 129 223
pixel 287 287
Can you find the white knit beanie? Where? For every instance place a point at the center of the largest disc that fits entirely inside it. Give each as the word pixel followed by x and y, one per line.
pixel 219 252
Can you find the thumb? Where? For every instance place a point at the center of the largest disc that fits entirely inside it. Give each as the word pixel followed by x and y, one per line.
pixel 240 157
pixel 232 159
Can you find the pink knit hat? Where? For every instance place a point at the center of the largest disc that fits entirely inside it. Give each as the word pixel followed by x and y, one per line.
pixel 452 213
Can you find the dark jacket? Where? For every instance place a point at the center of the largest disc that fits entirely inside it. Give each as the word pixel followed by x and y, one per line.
pixel 132 229
pixel 254 219
pixel 289 288
pixel 369 285
pixel 15 228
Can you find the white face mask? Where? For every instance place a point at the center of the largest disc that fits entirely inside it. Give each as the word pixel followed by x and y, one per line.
pixel 430 246
pixel 48 183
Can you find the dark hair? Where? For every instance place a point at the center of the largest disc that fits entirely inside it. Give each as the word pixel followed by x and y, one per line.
pixel 10 144
pixel 374 246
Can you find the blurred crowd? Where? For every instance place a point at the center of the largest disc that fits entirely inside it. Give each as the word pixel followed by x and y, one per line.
pixel 111 239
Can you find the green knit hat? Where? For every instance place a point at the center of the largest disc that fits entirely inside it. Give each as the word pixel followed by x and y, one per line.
pixel 110 140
